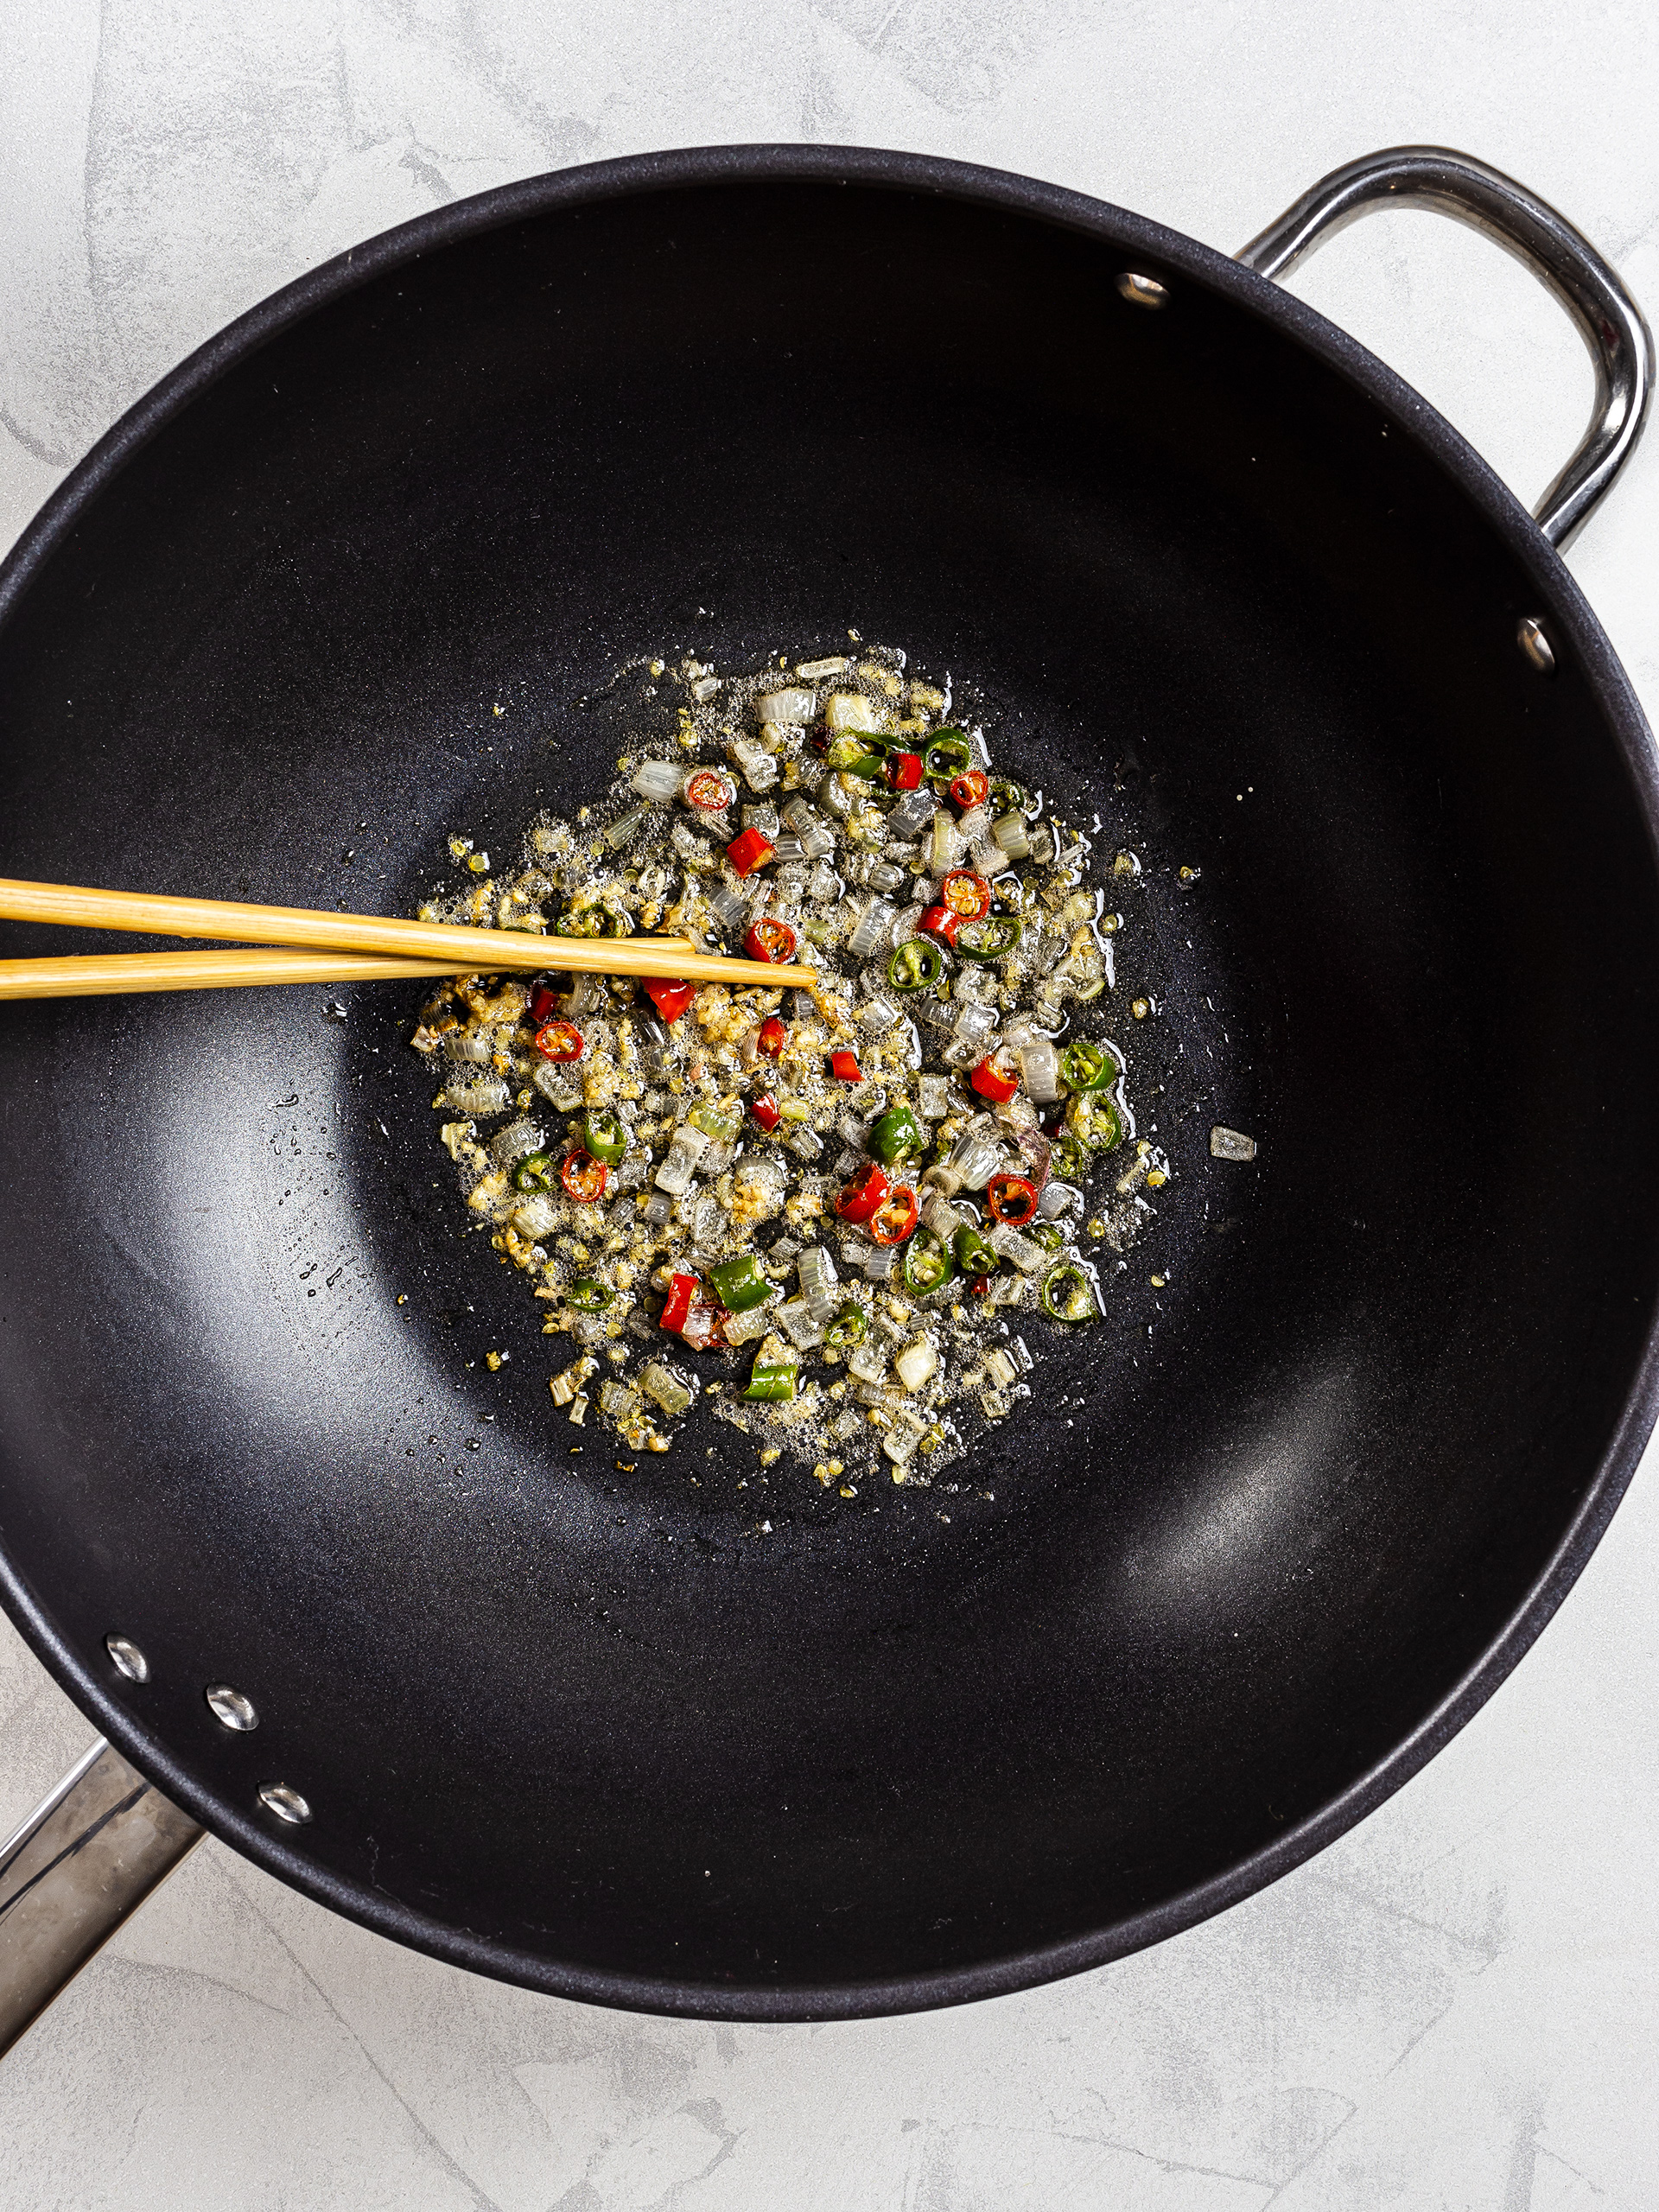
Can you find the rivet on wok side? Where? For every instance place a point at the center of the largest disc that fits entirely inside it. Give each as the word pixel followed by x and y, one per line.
pixel 287 1804
pixel 128 1659
pixel 230 1709
pixel 1142 291
pixel 1529 635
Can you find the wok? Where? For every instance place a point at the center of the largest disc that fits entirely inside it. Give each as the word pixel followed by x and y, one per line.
pixel 361 573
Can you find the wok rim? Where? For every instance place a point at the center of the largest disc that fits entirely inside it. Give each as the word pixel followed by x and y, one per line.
pixel 1575 629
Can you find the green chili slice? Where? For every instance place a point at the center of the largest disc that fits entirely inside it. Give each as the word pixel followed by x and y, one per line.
pixel 1086 1066
pixel 992 938
pixel 588 1295
pixel 603 1136
pixel 1006 798
pixel 927 1264
pixel 948 754
pixel 916 966
pixel 739 1284
pixel 897 1135
pixel 533 1172
pixel 1045 1235
pixel 1092 1119
pixel 772 1380
pixel 852 755
pixel 850 1326
pixel 585 921
pixel 1068 1294
pixel 973 1256
pixel 1067 1160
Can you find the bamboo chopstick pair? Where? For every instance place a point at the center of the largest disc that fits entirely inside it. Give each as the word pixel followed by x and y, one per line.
pixel 326 948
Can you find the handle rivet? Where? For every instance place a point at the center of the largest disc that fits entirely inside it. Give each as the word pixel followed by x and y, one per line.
pixel 1529 635
pixel 1142 291
pixel 230 1709
pixel 128 1659
pixel 287 1804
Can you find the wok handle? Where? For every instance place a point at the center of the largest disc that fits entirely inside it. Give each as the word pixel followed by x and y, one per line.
pixel 1609 320
pixel 80 1863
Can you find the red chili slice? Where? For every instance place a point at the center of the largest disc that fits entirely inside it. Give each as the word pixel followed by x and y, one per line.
pixel 764 1107
pixel 671 999
pixel 543 1000
pixel 560 1040
pixel 971 788
pixel 897 1215
pixel 996 1078
pixel 748 852
pixel 940 922
pixel 844 1067
pixel 682 1290
pixel 584 1177
pixel 978 1285
pixel 868 1192
pixel 770 940
pixel 709 792
pixel 904 771
pixel 1011 1198
pixel 967 895
pixel 773 1039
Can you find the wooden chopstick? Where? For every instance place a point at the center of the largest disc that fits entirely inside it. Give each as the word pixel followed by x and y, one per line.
pixel 454 950
pixel 93 974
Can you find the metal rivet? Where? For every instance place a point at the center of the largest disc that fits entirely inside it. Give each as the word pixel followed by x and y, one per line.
pixel 1529 635
pixel 230 1709
pixel 287 1804
pixel 1142 291
pixel 128 1658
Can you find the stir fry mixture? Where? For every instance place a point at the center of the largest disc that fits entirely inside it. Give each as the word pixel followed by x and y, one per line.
pixel 850 1217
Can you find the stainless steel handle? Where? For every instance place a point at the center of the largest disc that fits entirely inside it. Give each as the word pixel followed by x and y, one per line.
pixel 80 1863
pixel 1610 322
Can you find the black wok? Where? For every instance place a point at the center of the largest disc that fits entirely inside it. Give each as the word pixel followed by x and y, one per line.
pixel 1271 1533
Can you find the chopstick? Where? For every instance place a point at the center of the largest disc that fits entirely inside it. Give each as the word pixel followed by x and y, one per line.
pixel 440 947
pixel 93 974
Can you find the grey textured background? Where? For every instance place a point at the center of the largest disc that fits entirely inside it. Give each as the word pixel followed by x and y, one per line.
pixel 1453 2010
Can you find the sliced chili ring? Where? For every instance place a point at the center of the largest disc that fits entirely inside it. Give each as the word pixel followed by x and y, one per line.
pixel 993 937
pixel 940 922
pixel 896 1216
pixel 868 1190
pixel 770 940
pixel 682 1289
pixel 948 754
pixel 765 1108
pixel 1012 1198
pixel 1068 1294
pixel 710 791
pixel 997 1077
pixel 773 1038
pixel 928 1265
pixel 967 895
pixel 584 1177
pixel 850 1326
pixel 559 1042
pixel 904 771
pixel 916 965
pixel 971 788
pixel 533 1172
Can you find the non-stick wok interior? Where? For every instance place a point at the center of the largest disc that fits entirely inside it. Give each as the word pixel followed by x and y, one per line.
pixel 602 1726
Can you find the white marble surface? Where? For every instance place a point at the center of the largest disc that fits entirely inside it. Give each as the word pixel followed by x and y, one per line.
pixel 1452 2011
